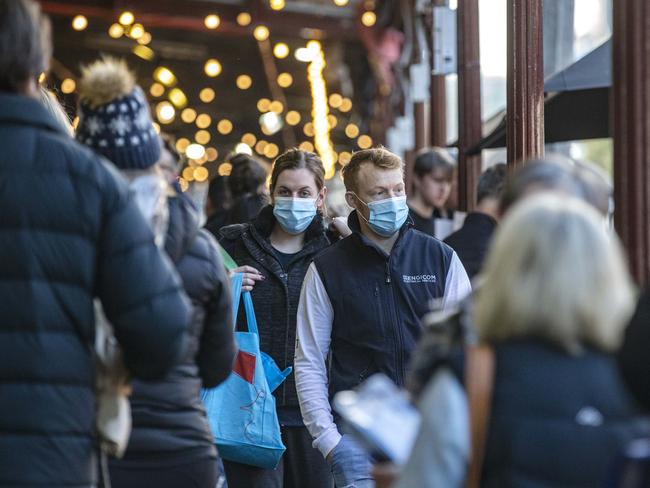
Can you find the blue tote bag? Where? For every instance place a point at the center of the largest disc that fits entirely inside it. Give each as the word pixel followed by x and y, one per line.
pixel 241 410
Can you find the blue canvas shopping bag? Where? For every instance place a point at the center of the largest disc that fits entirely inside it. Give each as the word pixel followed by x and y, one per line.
pixel 241 411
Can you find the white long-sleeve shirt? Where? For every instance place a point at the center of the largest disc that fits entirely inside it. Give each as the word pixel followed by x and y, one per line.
pixel 313 337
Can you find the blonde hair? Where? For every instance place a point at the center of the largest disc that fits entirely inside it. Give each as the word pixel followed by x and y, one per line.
pixel 554 273
pixel 56 110
pixel 378 156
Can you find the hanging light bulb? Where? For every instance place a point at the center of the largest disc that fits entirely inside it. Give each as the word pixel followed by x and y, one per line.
pixel 212 68
pixel 261 33
pixel 212 21
pixel 79 23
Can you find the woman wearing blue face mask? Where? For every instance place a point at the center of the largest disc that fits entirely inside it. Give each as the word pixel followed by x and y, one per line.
pixel 274 252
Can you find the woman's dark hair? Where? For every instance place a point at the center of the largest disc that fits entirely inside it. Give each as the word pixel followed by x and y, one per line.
pixel 25 43
pixel 247 175
pixel 434 158
pixel 298 159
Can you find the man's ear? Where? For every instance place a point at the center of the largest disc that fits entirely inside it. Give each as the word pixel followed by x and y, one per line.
pixel 351 200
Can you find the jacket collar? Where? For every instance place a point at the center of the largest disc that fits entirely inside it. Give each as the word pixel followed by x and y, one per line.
pixel 355 227
pixel 260 232
pixel 24 110
pixel 480 218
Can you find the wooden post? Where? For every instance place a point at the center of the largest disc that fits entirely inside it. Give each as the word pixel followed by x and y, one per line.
pixel 631 130
pixel 469 102
pixel 525 112
pixel 438 100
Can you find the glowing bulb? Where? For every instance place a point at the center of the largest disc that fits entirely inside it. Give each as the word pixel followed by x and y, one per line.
pixel 276 106
pixel 188 115
pixel 202 137
pixel 212 21
pixel 116 31
pixel 224 169
pixel 165 112
pixel 181 144
pixel 127 18
pixel 352 131
pixel 201 174
pixel 211 154
pixel 188 173
pixel 261 33
pixel 145 39
pixel 164 76
pixel 207 95
pixel 340 3
pixel 143 52
pixel 243 148
pixel 224 126
pixel 364 142
pixel 244 19
pixel 346 105
pixel 368 19
pixel 306 146
pixel 203 121
pixel 281 50
pixel 137 31
pixel 79 23
pixel 344 158
pixel 212 68
pixel 332 120
pixel 308 129
pixel 276 4
pixel 292 117
pixel 263 104
pixel 195 151
pixel 335 100
pixel 285 80
pixel 249 139
pixel 68 85
pixel 244 82
pixel 260 146
pixel 271 150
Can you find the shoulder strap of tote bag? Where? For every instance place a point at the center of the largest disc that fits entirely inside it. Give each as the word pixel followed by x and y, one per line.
pixel 236 286
pixel 479 382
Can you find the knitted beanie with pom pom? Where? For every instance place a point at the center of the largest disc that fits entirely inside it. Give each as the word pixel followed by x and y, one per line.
pixel 114 117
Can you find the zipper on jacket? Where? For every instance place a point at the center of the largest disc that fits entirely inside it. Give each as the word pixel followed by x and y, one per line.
pixel 397 332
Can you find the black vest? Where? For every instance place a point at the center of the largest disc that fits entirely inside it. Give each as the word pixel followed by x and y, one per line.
pixel 378 301
pixel 557 420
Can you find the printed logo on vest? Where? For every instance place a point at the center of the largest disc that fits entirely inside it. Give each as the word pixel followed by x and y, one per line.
pixel 423 278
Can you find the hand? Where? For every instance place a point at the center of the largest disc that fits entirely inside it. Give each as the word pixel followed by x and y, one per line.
pixel 385 474
pixel 251 276
pixel 340 225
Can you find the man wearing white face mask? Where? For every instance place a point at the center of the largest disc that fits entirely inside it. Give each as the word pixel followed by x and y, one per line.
pixel 361 304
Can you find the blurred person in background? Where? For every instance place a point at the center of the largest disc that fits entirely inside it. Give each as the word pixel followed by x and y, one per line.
pixel 217 203
pixel 362 301
pixel 552 316
pixel 433 173
pixel 248 193
pixel 471 241
pixel 171 443
pixel 274 252
pixel 69 232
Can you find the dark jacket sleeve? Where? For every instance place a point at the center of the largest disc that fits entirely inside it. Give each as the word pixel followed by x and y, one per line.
pixel 141 293
pixel 217 349
pixel 633 358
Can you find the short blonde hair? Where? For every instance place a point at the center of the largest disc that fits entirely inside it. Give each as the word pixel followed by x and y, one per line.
pixel 555 273
pixel 378 156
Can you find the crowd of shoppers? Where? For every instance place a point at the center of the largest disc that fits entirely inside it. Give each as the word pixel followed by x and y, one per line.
pixel 536 391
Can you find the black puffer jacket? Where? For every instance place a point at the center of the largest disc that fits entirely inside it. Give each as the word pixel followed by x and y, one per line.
pixel 69 231
pixel 276 298
pixel 169 420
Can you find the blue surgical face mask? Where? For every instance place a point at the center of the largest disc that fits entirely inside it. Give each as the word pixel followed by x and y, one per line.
pixel 294 214
pixel 386 216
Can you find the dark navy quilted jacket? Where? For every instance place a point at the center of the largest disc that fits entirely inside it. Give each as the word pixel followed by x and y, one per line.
pixel 69 231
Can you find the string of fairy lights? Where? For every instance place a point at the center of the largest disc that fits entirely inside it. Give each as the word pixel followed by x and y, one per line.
pixel 171 102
